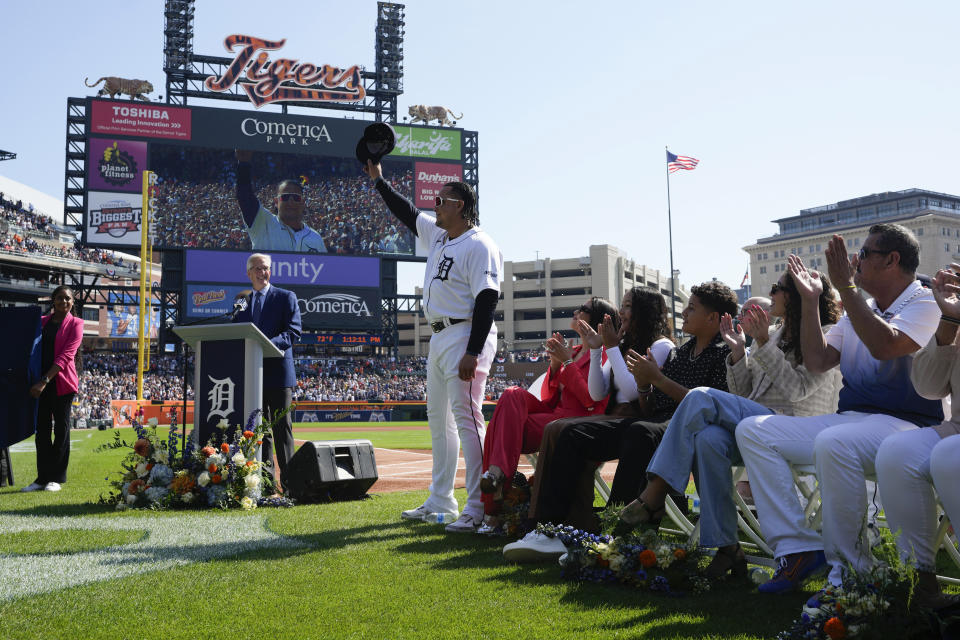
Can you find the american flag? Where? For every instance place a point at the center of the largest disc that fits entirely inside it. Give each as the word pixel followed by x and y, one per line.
pixel 675 162
pixel 746 276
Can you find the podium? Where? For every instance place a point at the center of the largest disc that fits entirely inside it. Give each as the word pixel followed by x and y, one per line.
pixel 227 374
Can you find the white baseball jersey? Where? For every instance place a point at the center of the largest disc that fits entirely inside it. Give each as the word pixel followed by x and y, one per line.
pixel 457 270
pixel 269 234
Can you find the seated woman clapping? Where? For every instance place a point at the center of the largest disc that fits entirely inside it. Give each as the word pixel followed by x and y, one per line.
pixel 520 416
pixel 768 379
pixel 911 464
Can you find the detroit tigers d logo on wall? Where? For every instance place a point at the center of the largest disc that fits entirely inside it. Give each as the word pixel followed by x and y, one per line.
pixel 266 77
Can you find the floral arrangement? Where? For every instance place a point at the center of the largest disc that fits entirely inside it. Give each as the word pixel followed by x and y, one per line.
pixel 868 605
pixel 640 560
pixel 514 506
pixel 155 475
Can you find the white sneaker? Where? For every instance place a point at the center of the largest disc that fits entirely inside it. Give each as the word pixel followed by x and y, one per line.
pixel 415 514
pixel 52 486
pixel 466 523
pixel 33 486
pixel 534 547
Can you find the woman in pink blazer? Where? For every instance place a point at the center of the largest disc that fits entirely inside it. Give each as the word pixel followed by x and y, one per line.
pixel 61 336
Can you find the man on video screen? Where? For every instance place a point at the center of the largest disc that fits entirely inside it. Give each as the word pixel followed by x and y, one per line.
pixel 283 231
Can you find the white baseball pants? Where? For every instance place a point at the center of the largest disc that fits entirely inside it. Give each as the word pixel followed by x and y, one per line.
pixel 843 447
pixel 455 416
pixel 909 466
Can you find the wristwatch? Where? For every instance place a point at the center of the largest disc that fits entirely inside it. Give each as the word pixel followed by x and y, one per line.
pixel 45 380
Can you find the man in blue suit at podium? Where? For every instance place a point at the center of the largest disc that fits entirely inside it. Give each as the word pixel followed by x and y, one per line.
pixel 275 312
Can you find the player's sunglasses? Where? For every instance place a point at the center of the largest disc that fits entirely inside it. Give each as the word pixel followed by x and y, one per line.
pixel 438 201
pixel 287 197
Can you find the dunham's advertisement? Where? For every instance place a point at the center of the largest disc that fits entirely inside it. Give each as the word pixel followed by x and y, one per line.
pixel 429 178
pixel 113 219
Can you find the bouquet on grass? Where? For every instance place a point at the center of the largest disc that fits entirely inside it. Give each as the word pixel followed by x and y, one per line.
pixel 642 560
pixel 156 476
pixel 870 604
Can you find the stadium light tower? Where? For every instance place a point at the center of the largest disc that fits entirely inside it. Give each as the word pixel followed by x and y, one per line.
pixel 7 155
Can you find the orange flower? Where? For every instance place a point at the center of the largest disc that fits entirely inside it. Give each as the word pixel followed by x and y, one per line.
pixel 215 478
pixel 248 434
pixel 208 451
pixel 182 484
pixel 225 448
pixel 136 486
pixel 259 442
pixel 647 558
pixel 250 463
pixel 149 466
pixel 679 553
pixel 212 468
pixel 835 629
pixel 142 447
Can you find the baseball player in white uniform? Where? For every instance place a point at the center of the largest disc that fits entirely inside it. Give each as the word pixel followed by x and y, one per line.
pixel 285 231
pixel 461 285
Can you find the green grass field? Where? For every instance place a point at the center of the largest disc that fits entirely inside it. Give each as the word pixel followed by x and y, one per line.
pixel 71 568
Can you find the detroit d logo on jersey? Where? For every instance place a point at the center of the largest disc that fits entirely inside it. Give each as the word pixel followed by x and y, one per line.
pixel 443 268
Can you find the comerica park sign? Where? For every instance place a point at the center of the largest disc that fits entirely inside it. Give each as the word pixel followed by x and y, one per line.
pixel 265 78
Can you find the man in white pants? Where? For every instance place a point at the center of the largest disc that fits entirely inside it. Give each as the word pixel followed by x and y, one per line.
pixel 873 343
pixel 461 286
pixel 911 464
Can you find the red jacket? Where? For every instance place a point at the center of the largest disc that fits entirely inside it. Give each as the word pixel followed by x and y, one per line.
pixel 575 394
pixel 65 347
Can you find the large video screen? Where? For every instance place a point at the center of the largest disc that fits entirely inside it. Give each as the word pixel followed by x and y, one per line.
pixel 199 205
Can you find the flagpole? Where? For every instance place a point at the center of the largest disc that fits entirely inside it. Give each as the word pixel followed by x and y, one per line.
pixel 673 293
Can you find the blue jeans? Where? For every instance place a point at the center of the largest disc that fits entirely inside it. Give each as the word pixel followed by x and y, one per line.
pixel 700 437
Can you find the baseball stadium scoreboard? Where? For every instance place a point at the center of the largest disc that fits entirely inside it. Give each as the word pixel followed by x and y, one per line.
pixel 191 152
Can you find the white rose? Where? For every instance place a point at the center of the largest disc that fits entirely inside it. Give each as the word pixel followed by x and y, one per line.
pixel 131 498
pixel 141 469
pixel 153 422
pixel 238 459
pixel 252 481
pixel 187 497
pixel 203 479
pixel 223 424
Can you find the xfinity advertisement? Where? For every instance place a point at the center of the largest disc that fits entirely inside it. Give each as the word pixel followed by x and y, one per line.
pixel 333 292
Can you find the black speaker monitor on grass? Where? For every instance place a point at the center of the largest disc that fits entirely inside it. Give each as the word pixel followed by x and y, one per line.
pixel 331 470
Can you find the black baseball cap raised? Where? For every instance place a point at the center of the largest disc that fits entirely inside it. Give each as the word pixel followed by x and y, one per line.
pixel 378 140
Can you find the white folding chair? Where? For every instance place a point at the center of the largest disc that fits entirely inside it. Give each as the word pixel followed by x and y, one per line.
pixel 814 516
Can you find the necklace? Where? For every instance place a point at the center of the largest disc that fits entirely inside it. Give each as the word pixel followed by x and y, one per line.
pixel 886 315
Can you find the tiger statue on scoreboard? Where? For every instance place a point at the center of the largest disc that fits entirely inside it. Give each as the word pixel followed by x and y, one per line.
pixel 421 113
pixel 114 85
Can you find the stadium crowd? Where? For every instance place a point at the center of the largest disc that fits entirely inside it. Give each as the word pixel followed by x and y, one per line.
pixel 27 223
pixel 112 376
pixel 197 204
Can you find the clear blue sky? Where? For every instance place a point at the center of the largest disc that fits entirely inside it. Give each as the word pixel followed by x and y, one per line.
pixel 787 105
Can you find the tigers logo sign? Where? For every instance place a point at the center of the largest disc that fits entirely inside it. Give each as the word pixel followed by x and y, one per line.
pixel 265 78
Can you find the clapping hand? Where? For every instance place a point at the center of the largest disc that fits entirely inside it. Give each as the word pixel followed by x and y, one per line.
pixel 809 285
pixel 841 268
pixel 945 289
pixel 756 323
pixel 611 337
pixel 733 336
pixel 558 350
pixel 589 336
pixel 644 368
